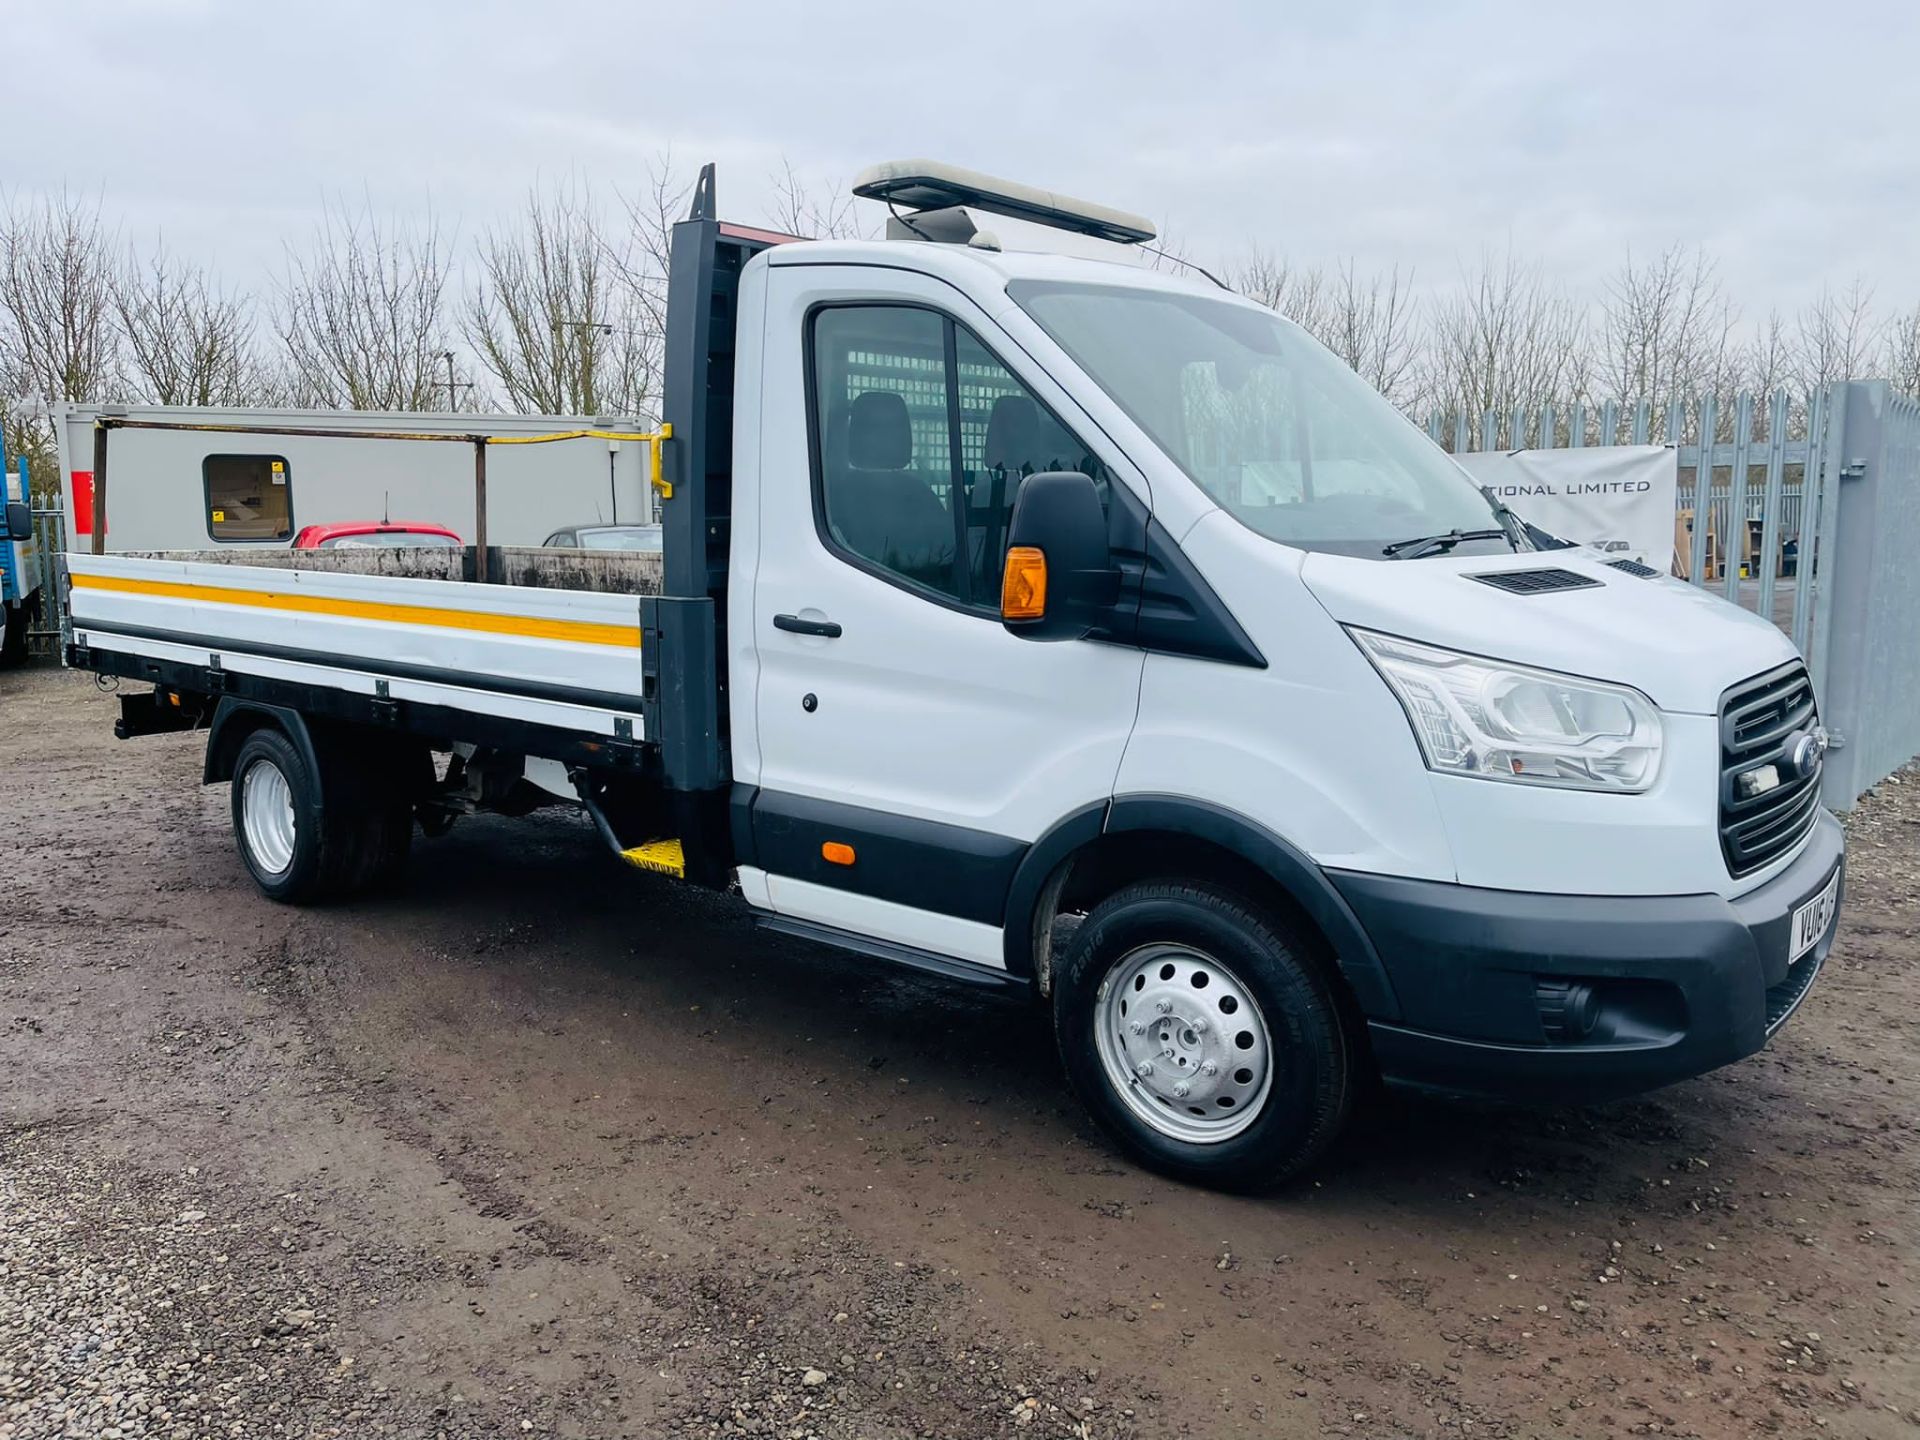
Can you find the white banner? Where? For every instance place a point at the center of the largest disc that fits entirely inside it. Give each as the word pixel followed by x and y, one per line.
pixel 1616 498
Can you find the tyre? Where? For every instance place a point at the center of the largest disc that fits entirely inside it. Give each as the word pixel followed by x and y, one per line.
pixel 13 643
pixel 394 794
pixel 1204 1035
pixel 396 846
pixel 277 817
pixel 307 836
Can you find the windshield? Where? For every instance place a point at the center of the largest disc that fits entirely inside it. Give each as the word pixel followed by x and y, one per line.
pixel 625 537
pixel 1274 427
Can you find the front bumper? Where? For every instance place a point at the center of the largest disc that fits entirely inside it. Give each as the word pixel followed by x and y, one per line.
pixel 1681 983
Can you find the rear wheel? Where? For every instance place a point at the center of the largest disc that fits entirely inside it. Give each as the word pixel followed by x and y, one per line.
pixel 309 836
pixel 1203 1035
pixel 276 816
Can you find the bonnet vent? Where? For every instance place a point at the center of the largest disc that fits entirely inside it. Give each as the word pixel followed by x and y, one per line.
pixel 1535 582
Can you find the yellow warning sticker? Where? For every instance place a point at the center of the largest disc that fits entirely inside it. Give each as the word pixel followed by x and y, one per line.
pixel 278 466
pixel 218 516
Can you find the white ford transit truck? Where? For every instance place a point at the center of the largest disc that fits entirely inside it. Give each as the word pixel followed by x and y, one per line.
pixel 1061 624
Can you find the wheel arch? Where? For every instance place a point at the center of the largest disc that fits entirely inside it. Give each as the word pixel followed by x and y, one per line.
pixel 235 719
pixel 1101 848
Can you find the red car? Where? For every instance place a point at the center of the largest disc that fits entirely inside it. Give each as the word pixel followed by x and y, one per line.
pixel 363 534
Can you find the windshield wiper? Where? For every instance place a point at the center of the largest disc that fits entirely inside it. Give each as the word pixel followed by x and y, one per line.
pixel 1515 527
pixel 1423 544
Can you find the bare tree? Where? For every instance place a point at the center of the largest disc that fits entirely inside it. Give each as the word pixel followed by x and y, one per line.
pixel 1666 328
pixel 361 314
pixel 1506 339
pixel 1903 352
pixel 187 342
pixel 558 318
pixel 1766 363
pixel 641 261
pixel 822 212
pixel 1301 293
pixel 57 336
pixel 1369 323
pixel 1836 338
pixel 1367 320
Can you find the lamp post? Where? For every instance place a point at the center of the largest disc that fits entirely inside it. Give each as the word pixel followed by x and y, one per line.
pixel 454 387
pixel 586 329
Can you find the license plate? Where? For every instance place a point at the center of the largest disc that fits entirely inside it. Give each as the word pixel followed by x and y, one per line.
pixel 1811 920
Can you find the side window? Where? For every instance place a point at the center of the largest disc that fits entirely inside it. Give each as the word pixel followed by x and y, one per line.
pixel 922 439
pixel 249 497
pixel 1005 436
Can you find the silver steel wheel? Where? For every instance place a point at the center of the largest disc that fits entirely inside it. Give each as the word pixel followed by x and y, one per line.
pixel 1183 1043
pixel 266 813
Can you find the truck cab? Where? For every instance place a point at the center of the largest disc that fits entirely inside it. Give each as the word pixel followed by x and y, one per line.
pixel 1527 822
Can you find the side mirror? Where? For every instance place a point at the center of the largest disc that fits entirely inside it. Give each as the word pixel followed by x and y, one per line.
pixel 1059 580
pixel 19 521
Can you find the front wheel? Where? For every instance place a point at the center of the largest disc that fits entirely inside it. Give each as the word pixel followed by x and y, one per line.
pixel 1203 1035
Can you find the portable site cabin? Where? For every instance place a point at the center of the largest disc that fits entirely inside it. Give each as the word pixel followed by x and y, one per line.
pixel 188 478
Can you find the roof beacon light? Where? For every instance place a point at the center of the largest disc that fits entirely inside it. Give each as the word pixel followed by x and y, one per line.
pixel 922 185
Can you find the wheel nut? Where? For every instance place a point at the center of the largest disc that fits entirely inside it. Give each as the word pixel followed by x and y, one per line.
pixel 1139 1027
pixel 1143 1069
pixel 1209 1068
pixel 1182 1090
pixel 1199 1025
pixel 1165 1007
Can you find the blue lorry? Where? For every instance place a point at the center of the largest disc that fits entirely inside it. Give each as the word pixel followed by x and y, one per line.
pixel 21 570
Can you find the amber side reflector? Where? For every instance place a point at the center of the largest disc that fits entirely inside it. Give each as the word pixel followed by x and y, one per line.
pixel 1023 585
pixel 835 853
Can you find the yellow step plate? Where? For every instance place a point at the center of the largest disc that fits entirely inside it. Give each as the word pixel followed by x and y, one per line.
pixel 664 856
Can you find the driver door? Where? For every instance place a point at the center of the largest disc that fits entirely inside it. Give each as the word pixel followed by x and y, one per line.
pixel 907 749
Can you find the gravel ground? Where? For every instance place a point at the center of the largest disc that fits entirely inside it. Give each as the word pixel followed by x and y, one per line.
pixel 538 1147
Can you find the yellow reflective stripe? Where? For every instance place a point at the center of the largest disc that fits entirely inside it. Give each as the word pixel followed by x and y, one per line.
pixel 585 632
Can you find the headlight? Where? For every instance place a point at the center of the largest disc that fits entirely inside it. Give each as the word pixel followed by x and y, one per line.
pixel 1507 722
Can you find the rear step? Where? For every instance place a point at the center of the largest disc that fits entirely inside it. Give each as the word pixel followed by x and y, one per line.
pixel 663 857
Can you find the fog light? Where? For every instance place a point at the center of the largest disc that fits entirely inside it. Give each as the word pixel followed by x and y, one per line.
pixel 1569 1009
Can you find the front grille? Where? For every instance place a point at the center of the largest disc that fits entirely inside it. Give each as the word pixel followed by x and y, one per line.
pixel 1535 582
pixel 1759 718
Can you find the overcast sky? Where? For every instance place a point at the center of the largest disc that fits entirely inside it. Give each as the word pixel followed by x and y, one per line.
pixel 1783 138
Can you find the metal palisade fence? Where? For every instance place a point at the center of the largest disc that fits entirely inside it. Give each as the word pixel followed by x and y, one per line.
pixel 1867 626
pixel 50 534
pixel 1805 509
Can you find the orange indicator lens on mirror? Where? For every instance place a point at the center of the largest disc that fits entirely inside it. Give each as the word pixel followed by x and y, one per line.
pixel 836 853
pixel 1023 587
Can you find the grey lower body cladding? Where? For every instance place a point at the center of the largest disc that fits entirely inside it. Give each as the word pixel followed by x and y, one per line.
pixel 1667 987
pixel 948 869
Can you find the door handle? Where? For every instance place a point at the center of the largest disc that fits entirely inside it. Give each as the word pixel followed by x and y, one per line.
pixel 828 628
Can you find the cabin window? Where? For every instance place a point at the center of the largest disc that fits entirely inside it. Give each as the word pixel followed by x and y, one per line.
pixel 921 440
pixel 249 497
